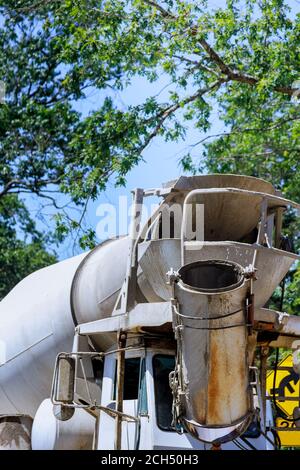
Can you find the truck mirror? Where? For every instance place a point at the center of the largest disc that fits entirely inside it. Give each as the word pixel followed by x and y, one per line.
pixel 65 380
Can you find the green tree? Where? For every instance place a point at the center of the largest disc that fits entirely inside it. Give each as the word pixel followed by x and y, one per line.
pixel 240 60
pixel 22 247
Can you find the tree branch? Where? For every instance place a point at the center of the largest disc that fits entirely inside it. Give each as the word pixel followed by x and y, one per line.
pixel 21 184
pixel 164 114
pixel 11 184
pixel 231 74
pixel 247 130
pixel 196 65
pixel 32 7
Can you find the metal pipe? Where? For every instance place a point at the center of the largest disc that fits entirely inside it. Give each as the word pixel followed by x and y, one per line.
pixel 278 226
pixel 214 359
pixel 282 323
pixel 120 389
pixel 128 296
pixel 269 197
pixel 264 352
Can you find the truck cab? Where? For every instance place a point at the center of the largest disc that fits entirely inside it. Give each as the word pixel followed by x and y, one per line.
pixel 146 417
pixel 147 396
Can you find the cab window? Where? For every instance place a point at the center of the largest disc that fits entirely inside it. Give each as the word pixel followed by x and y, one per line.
pixel 162 366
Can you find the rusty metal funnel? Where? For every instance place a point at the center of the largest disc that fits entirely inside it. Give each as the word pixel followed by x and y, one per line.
pixel 228 215
pixel 211 329
pixel 158 256
pixel 220 180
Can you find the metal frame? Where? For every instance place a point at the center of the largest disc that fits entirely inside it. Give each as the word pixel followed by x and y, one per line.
pixel 265 198
pixel 89 406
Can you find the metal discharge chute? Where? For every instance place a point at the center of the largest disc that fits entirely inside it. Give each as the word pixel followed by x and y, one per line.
pixel 179 305
pixel 211 299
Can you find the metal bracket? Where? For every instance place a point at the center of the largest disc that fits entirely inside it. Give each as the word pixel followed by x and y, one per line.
pixel 127 297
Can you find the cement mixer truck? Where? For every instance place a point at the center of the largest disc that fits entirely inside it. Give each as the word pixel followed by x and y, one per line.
pixel 159 339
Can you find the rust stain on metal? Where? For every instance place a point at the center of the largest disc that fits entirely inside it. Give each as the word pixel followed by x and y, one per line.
pixel 242 373
pixel 264 326
pixel 215 387
pixel 14 434
pixel 199 405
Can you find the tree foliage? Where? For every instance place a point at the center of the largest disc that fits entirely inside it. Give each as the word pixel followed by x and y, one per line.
pixel 240 60
pixel 22 246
